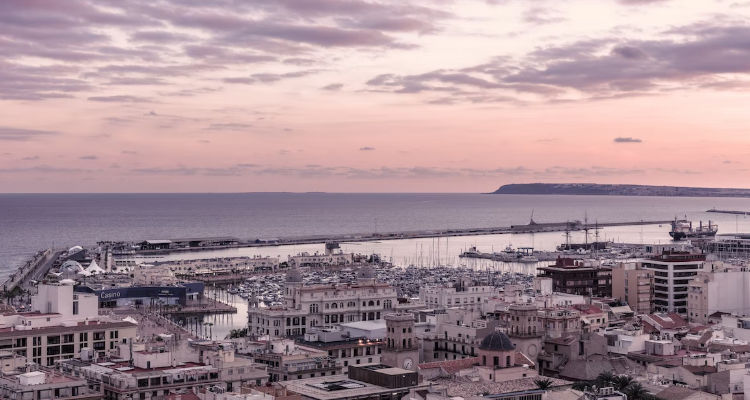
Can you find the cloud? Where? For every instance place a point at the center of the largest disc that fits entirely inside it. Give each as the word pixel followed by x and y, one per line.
pixel 86 44
pixel 88 157
pixel 229 126
pixel 333 87
pixel 269 77
pixel 30 158
pixel 366 148
pixel 416 172
pixel 120 99
pixel 627 140
pixel 44 169
pixel 693 56
pixel 22 135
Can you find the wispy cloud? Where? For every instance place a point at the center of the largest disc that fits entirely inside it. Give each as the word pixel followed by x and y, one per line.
pixel 627 140
pixel 21 135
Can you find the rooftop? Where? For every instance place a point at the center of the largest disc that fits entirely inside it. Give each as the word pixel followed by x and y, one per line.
pixel 334 387
pixel 464 387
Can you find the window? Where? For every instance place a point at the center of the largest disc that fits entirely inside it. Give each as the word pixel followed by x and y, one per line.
pixel 75 308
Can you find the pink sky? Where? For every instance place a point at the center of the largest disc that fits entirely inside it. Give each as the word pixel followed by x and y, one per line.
pixel 371 96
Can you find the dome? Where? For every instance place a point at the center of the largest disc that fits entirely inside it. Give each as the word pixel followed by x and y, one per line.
pixel 74 249
pixel 293 275
pixel 496 341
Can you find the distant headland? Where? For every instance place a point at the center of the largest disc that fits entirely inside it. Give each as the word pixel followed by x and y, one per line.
pixel 618 190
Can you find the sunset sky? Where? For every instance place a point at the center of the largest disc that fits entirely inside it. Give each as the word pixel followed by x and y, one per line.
pixel 371 95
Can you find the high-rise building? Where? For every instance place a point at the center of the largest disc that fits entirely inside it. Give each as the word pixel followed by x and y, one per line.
pixel 673 271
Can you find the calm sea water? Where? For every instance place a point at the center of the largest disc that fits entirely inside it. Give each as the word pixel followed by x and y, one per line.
pixel 29 222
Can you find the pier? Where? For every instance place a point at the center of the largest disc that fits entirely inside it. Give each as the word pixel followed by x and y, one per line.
pixel 735 212
pixel 33 270
pixel 532 227
pixel 204 307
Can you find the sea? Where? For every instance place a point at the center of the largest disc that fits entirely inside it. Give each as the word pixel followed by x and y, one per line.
pixel 31 222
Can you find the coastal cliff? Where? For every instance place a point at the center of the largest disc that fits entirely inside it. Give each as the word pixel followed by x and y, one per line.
pixel 618 190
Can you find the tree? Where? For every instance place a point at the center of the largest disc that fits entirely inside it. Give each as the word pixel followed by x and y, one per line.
pixel 621 382
pixel 543 384
pixel 635 391
pixel 237 333
pixel 605 379
pixel 581 385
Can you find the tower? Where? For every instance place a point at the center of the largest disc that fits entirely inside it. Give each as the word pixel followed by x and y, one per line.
pixel 524 328
pixel 401 349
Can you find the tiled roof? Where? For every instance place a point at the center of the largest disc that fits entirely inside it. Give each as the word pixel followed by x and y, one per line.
pixel 451 366
pixel 676 393
pixel 668 320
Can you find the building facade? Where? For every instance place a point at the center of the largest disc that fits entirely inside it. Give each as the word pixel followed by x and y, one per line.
pixel 633 285
pixel 673 272
pixel 580 277
pixel 323 306
pixel 401 346
pixel 466 297
pixel 63 325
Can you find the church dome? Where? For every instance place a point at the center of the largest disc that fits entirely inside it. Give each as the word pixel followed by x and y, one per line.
pixel 496 341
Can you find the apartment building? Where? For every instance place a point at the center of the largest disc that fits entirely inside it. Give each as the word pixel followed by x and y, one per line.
pixel 287 361
pixel 582 277
pixel 719 290
pixel 633 284
pixel 63 325
pixel 461 296
pixel 345 349
pixel 673 271
pixel 43 384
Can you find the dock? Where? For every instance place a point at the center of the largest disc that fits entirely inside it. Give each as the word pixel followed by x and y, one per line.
pixel 205 307
pixel 532 227
pixel 735 212
pixel 33 270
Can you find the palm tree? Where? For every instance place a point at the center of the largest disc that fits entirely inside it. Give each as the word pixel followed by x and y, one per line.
pixel 543 384
pixel 621 382
pixel 605 379
pixel 636 391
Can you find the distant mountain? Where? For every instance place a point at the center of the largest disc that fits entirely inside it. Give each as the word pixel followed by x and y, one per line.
pixel 619 190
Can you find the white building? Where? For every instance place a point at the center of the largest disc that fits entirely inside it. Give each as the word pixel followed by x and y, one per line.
pixel 623 341
pixel 62 324
pixel 466 297
pixel 673 271
pixel 721 290
pixel 311 306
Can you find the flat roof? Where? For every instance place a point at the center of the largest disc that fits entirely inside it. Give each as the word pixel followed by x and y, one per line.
pixel 346 388
pixel 366 325
pixel 81 326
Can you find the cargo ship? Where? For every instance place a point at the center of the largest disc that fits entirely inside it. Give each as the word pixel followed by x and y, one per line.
pixel 684 230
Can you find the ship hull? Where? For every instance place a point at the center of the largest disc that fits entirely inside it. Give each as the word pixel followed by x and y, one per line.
pixel 687 235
